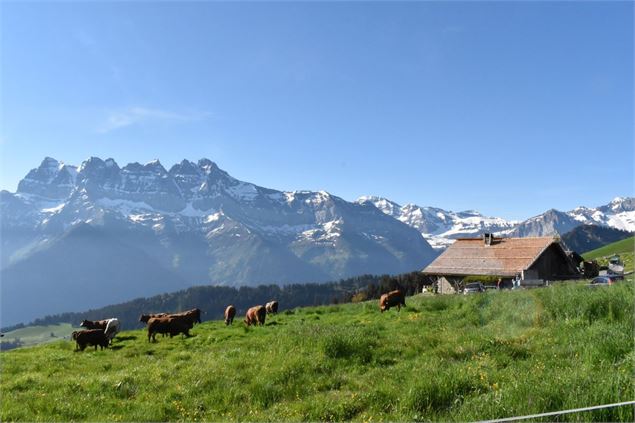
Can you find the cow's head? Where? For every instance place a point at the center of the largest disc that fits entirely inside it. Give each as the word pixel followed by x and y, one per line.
pixel 84 323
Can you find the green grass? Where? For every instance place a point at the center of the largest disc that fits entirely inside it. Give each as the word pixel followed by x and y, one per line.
pixel 625 248
pixel 33 335
pixel 442 358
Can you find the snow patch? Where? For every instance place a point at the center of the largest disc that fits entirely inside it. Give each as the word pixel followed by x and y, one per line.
pixel 125 207
pixel 243 191
pixel 140 218
pixel 190 211
pixel 277 196
pixel 624 221
pixel 55 209
pixel 213 217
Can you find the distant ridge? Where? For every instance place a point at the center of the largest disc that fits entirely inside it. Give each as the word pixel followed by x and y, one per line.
pixel 441 227
pixel 585 238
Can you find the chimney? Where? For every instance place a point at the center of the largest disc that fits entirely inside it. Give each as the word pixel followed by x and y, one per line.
pixel 487 238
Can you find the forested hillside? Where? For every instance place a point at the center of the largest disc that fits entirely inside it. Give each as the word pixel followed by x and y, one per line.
pixel 590 237
pixel 212 300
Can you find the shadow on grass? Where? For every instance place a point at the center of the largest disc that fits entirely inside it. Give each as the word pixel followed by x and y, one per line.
pixel 126 338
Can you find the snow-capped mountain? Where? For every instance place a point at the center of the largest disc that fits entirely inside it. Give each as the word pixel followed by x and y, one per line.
pixel 70 232
pixel 618 214
pixel 75 237
pixel 441 227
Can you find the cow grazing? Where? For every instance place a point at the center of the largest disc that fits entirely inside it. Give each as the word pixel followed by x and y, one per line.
pixel 168 325
pixel 94 324
pixel 157 325
pixel 230 312
pixel 272 307
pixel 193 315
pixel 90 337
pixel 392 299
pixel 256 316
pixel 112 328
pixel 145 317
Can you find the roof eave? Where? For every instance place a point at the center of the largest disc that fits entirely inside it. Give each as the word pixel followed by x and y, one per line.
pixel 476 272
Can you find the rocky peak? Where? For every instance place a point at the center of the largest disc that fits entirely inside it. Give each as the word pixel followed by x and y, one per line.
pixel 388 207
pixel 95 172
pixel 619 204
pixel 91 164
pixel 186 167
pixel 214 175
pixel 188 176
pixel 110 162
pixel 50 164
pixel 151 168
pixel 52 179
pixel 47 170
pixel 207 165
pixel 155 166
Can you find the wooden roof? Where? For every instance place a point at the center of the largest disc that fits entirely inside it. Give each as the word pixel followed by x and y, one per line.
pixel 504 257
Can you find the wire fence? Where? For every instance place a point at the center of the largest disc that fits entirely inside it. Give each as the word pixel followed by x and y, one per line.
pixel 557 413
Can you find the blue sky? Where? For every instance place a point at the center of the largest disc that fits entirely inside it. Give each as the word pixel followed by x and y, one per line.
pixel 509 108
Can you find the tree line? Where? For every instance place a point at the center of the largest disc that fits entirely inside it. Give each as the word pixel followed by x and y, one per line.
pixel 212 300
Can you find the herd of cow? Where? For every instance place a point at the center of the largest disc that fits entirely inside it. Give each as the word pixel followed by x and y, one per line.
pixel 101 332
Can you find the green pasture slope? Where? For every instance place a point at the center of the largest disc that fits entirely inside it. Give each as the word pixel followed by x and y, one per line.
pixel 33 335
pixel 625 248
pixel 442 358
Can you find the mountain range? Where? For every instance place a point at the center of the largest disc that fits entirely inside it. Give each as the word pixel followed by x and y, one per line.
pixel 155 230
pixel 441 227
pixel 79 237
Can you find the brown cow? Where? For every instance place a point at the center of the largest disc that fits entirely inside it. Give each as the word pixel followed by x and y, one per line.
pixel 272 307
pixel 157 325
pixel 90 337
pixel 96 324
pixel 168 325
pixel 230 312
pixel 193 315
pixel 256 316
pixel 392 299
pixel 145 317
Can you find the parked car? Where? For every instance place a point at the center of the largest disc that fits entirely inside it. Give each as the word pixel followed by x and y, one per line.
pixel 602 281
pixel 473 288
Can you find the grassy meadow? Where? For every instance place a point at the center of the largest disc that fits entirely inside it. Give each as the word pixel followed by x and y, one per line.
pixel 33 335
pixel 442 358
pixel 625 248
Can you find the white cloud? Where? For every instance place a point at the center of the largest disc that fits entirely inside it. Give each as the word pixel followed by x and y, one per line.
pixel 135 115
